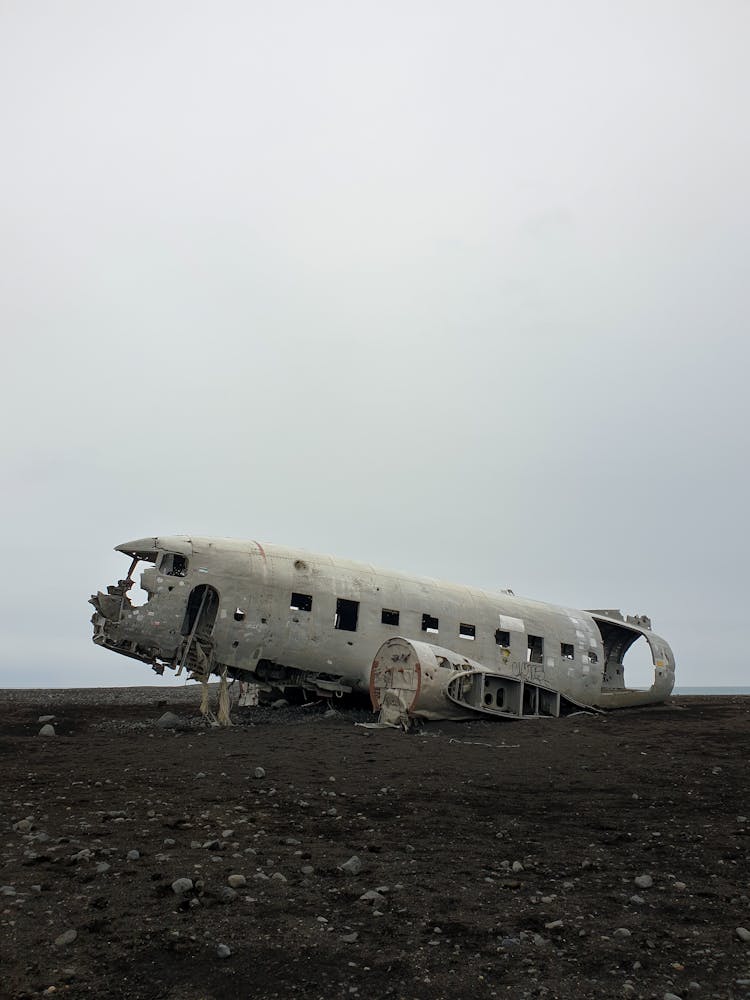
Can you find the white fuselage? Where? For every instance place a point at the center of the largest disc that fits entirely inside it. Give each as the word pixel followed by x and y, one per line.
pixel 282 617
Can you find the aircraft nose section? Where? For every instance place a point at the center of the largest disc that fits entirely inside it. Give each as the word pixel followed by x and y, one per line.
pixel 147 548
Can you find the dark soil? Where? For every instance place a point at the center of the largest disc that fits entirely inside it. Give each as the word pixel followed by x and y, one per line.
pixel 584 805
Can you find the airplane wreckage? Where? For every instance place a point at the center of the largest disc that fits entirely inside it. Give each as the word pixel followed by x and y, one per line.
pixel 284 619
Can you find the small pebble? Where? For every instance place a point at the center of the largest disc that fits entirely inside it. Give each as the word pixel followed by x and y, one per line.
pixel 223 951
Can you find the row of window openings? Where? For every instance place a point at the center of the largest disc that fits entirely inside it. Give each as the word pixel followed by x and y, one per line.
pixel 347 613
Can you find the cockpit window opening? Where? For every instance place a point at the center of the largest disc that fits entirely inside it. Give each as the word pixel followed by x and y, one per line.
pixel 173 564
pixel 137 593
pixel 429 624
pixel 300 602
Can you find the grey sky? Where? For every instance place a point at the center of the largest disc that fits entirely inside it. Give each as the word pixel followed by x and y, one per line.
pixel 456 289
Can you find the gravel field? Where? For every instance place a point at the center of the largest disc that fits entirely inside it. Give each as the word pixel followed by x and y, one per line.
pixel 297 854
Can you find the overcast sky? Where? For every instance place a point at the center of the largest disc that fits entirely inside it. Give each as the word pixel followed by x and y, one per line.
pixel 459 289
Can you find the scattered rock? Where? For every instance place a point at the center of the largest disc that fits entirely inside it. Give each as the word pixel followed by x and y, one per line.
pixel 621 932
pixel 67 937
pixel 170 721
pixel 643 881
pixel 47 730
pixel 133 855
pixel 227 894
pixel 45 718
pixel 372 897
pixel 102 867
pixel 182 885
pixel 223 951
pixel 23 826
pixel 259 772
pixel 349 938
pixel 516 867
pixel 743 934
pixel 353 866
pixel 237 881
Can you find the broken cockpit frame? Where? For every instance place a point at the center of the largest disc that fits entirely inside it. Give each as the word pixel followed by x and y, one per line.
pixel 174 627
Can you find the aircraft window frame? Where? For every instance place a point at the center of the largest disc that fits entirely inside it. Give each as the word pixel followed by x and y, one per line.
pixel 389 616
pixel 467 631
pixel 430 624
pixel 567 650
pixel 300 602
pixel 534 648
pixel 347 615
pixel 502 638
pixel 174 564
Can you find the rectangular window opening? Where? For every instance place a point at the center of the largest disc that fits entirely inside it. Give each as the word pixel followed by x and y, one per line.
pixel 347 613
pixel 173 564
pixel 566 650
pixel 301 602
pixel 467 631
pixel 429 624
pixel 502 638
pixel 535 649
pixel 389 617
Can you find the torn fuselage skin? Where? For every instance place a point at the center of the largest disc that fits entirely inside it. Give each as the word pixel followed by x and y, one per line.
pixel 285 619
pixel 209 609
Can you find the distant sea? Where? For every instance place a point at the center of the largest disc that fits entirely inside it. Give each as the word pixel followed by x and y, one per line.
pixel 712 690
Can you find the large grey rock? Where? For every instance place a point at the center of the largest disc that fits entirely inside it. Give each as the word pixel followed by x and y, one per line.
pixel 353 866
pixel 170 721
pixel 743 934
pixel 223 951
pixel 372 897
pixel 47 730
pixel 182 885
pixel 237 881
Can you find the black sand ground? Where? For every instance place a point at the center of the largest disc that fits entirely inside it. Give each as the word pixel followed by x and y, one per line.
pixel 500 858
